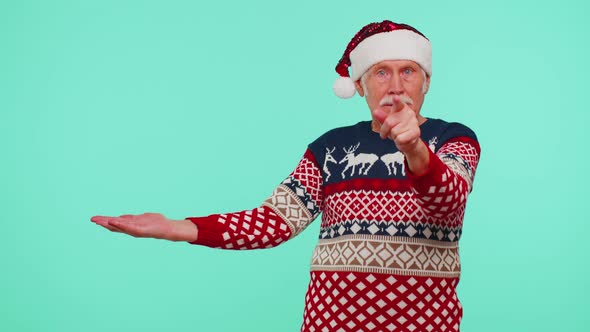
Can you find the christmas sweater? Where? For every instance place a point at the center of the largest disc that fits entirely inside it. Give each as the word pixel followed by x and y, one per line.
pixel 387 258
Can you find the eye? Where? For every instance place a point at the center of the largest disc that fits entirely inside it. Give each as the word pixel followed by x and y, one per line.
pixel 408 71
pixel 382 75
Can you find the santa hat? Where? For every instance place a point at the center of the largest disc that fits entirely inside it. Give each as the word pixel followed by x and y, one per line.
pixel 377 42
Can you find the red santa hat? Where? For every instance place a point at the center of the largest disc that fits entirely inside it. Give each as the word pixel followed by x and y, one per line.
pixel 377 42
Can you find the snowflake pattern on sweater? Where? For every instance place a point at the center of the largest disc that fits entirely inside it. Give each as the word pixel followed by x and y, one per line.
pixel 387 258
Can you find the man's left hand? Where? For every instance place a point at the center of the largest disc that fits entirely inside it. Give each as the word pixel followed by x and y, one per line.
pixel 400 124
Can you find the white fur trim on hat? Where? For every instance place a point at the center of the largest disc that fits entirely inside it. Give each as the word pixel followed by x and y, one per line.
pixel 391 45
pixel 344 87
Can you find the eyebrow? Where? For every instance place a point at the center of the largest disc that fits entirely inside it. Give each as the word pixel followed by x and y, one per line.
pixel 411 65
pixel 377 68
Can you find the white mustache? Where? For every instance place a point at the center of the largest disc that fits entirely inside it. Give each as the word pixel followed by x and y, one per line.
pixel 388 100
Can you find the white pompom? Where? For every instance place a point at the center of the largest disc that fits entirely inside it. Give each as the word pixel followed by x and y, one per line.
pixel 344 87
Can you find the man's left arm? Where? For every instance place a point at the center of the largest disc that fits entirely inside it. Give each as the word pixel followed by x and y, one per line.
pixel 443 185
pixel 440 181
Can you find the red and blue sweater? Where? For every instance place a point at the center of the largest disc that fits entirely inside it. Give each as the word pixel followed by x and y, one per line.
pixel 387 258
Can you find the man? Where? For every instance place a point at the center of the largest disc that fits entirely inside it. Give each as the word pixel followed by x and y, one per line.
pixel 392 191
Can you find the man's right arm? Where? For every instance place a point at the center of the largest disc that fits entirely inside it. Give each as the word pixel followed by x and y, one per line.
pixel 293 205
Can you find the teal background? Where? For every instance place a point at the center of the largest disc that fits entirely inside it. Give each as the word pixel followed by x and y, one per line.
pixel 188 108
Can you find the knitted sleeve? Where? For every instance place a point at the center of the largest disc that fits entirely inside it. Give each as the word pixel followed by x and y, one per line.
pixel 449 177
pixel 293 205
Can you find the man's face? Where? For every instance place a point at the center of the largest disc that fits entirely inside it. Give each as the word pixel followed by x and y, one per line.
pixel 390 78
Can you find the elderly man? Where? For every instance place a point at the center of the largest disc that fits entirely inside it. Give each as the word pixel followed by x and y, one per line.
pixel 392 191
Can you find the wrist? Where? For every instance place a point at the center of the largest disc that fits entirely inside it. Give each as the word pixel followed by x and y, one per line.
pixel 418 158
pixel 412 149
pixel 182 230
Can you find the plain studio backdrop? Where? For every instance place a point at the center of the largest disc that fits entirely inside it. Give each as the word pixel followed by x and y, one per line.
pixel 190 108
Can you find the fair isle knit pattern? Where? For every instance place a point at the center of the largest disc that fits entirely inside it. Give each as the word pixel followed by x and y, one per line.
pixel 387 258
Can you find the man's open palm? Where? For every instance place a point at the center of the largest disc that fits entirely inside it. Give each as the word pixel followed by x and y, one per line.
pixel 154 225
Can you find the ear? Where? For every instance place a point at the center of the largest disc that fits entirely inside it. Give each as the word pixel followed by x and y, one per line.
pixel 359 88
pixel 427 84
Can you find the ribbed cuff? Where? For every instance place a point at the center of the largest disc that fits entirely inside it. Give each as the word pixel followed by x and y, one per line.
pixel 208 230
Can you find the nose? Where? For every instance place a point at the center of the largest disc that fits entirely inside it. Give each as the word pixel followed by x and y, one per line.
pixel 395 85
